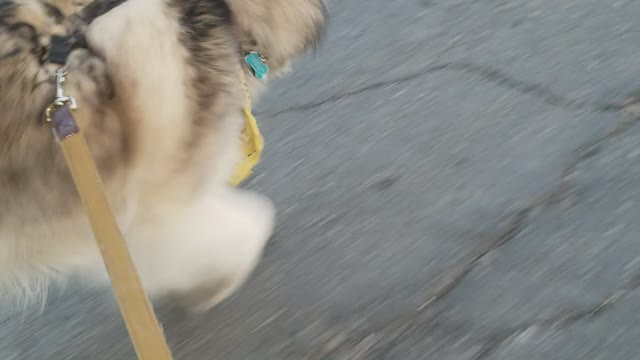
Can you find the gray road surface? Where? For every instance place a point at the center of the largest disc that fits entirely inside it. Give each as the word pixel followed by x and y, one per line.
pixel 456 180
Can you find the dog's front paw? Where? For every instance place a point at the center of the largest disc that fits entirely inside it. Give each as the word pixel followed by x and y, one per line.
pixel 260 211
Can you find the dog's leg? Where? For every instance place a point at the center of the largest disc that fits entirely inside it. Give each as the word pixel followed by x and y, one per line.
pixel 207 250
pixel 255 224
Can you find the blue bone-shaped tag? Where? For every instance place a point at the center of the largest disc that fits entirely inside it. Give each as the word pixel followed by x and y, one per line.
pixel 260 69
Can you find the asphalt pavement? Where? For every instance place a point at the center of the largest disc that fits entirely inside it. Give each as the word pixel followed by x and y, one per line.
pixel 455 180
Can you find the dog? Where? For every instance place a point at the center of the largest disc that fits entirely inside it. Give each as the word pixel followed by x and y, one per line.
pixel 159 91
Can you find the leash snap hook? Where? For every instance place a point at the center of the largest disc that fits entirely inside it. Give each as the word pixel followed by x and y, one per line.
pixel 61 99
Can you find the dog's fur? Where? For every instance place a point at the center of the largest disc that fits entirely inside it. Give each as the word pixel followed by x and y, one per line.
pixel 159 94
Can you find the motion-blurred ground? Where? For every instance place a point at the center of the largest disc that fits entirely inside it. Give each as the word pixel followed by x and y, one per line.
pixel 456 180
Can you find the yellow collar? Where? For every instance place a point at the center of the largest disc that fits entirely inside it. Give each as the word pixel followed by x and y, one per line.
pixel 252 141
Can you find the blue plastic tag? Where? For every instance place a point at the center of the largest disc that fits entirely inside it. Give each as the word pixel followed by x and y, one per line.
pixel 260 69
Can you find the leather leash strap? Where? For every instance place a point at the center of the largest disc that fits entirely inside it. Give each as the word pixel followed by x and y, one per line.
pixel 141 322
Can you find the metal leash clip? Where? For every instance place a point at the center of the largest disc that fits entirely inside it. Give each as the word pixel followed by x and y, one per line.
pixel 61 99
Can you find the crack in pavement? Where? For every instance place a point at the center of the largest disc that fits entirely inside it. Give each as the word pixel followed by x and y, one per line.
pixel 387 336
pixel 630 108
pixel 495 340
pixel 488 73
pixel 516 222
pixel 447 283
pixel 560 320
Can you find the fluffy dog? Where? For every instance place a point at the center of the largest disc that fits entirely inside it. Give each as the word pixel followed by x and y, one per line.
pixel 160 99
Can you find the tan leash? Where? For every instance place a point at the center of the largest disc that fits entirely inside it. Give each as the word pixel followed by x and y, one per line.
pixel 141 322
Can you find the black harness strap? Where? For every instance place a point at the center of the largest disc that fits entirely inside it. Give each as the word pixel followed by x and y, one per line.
pixel 60 48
